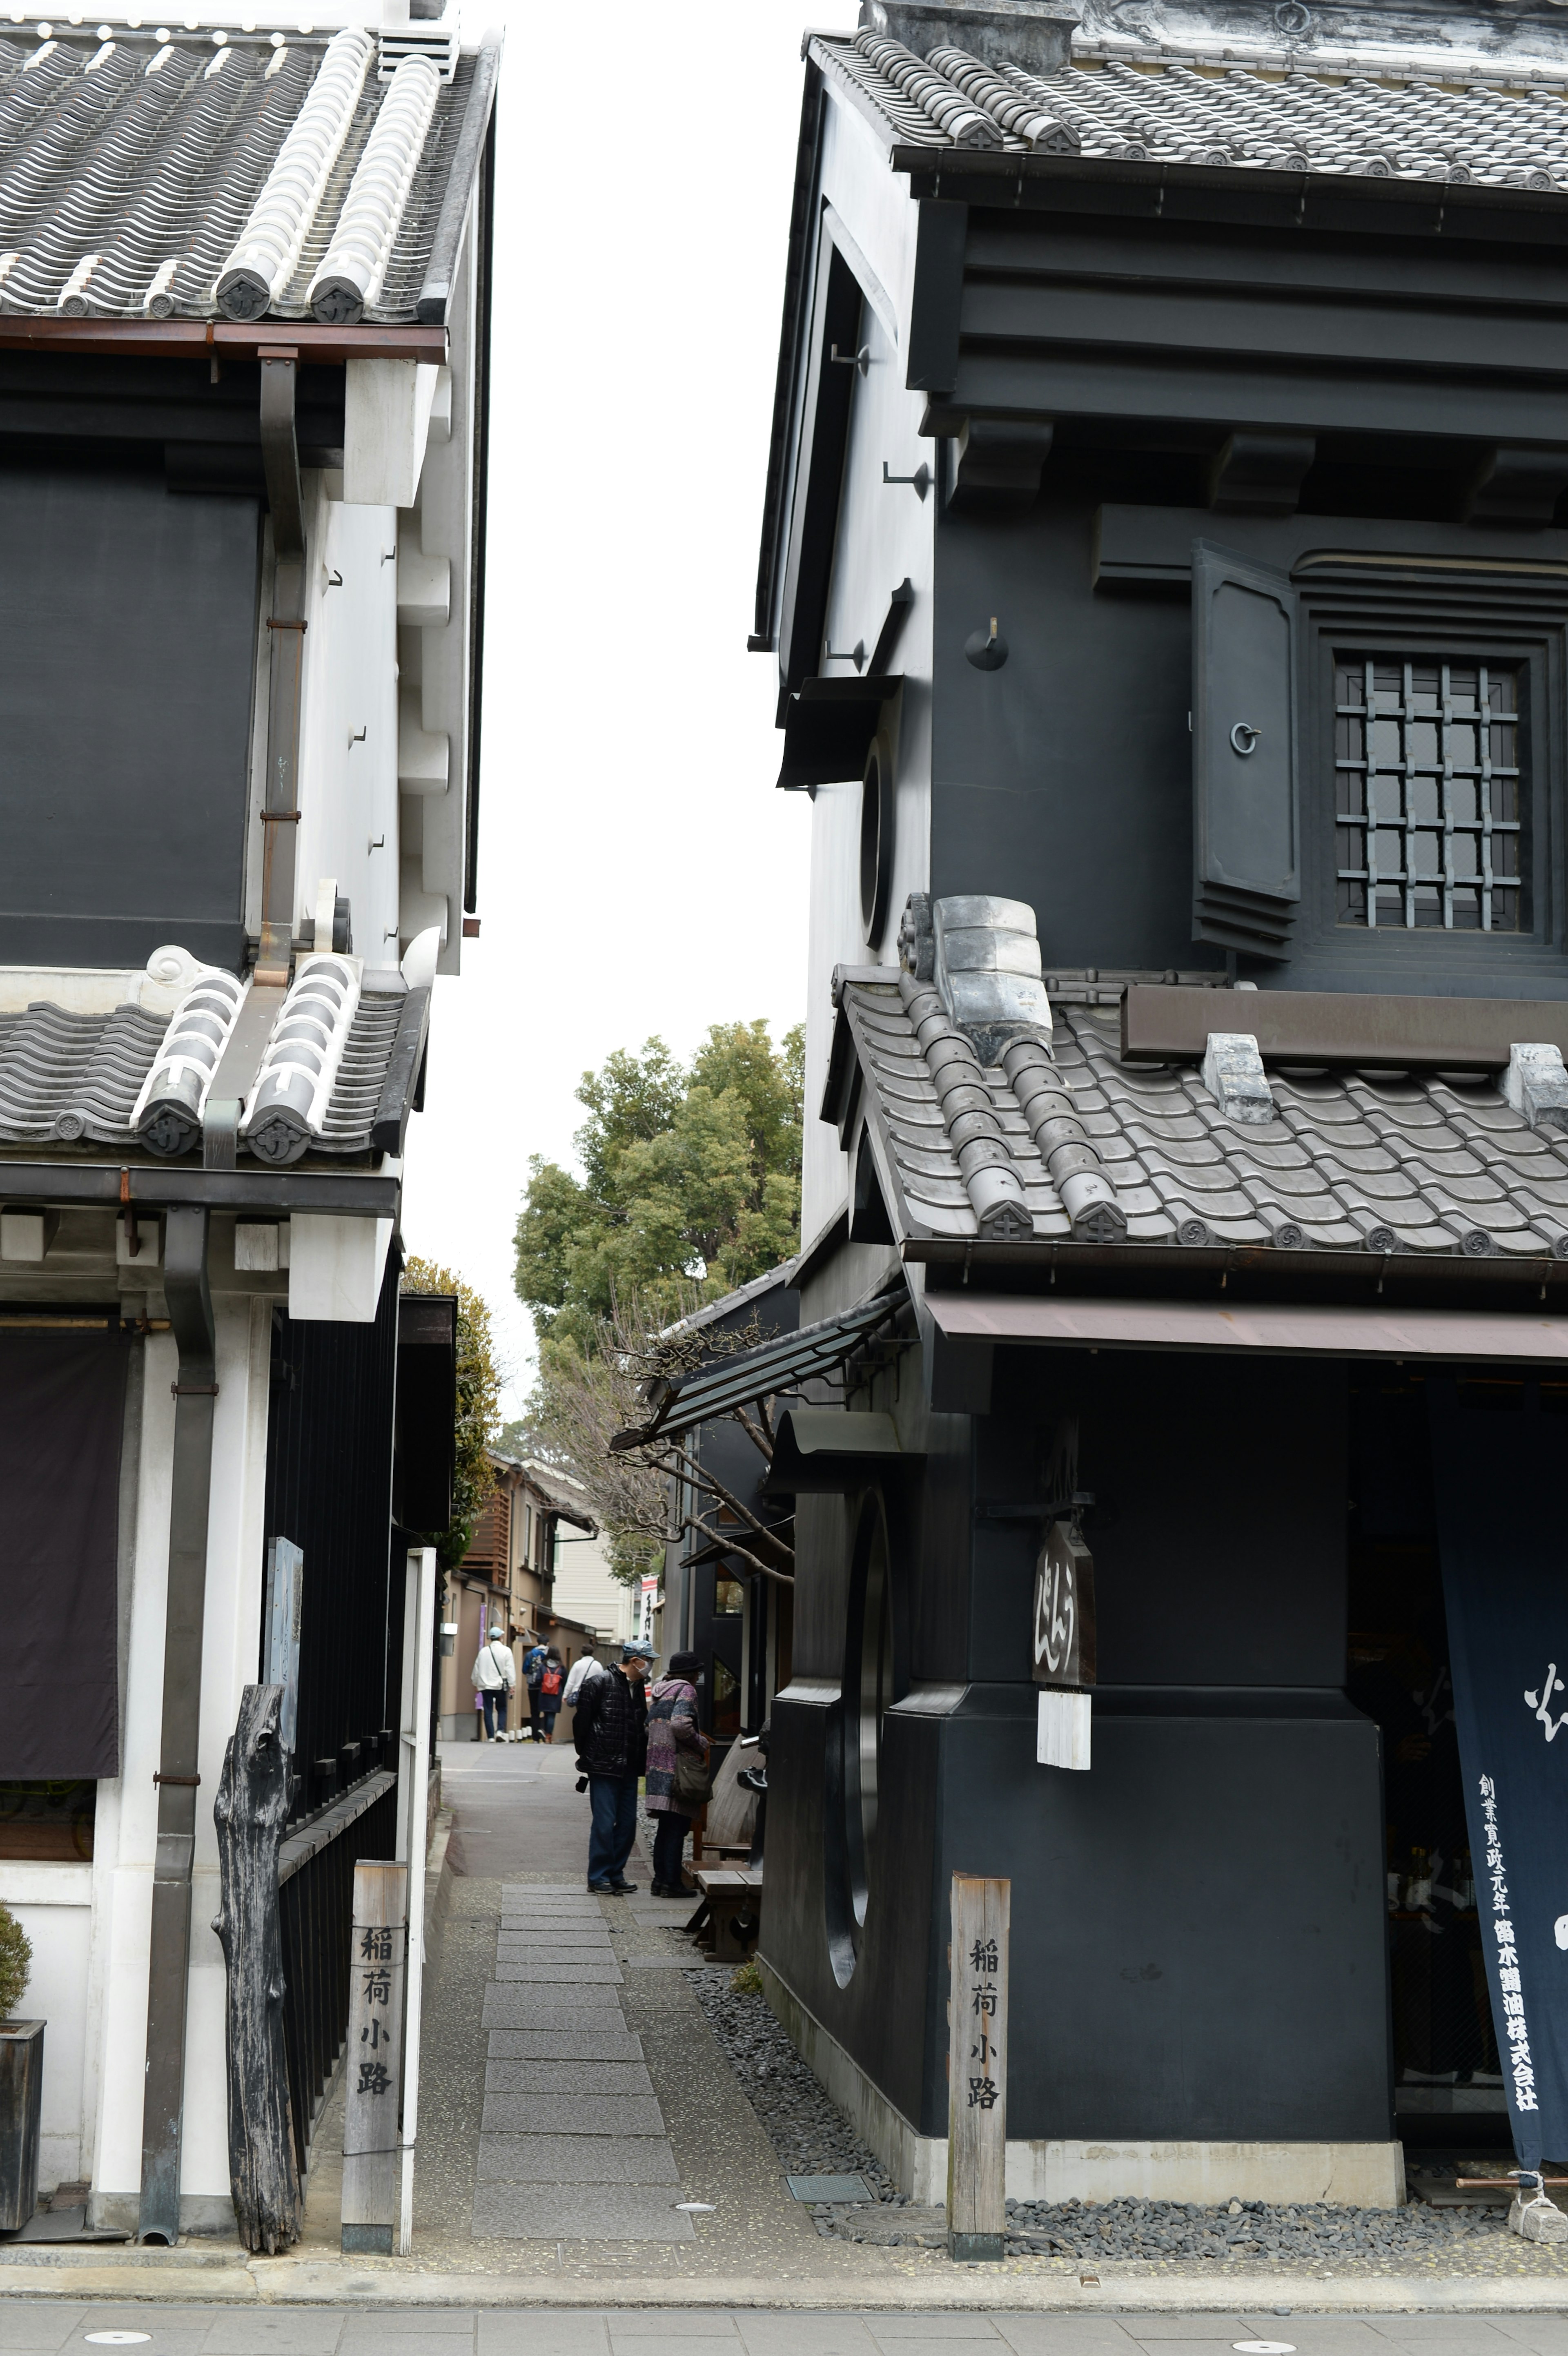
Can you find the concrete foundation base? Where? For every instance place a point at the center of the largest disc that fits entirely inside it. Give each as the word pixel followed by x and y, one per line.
pixel 1358 2175
pixel 200 2213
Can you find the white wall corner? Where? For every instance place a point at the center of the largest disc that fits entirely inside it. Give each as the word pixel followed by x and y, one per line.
pixel 386 426
pixel 336 1266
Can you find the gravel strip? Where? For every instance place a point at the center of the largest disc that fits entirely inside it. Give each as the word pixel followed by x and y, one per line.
pixel 807 2130
pixel 1305 2233
pixel 812 2137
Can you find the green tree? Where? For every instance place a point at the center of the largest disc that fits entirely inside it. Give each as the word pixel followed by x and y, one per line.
pixel 691 1178
pixel 478 1413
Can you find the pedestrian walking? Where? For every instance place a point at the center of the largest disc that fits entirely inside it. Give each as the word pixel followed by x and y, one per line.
pixel 612 1731
pixel 551 1680
pixel 583 1668
pixel 494 1678
pixel 533 1677
pixel 674 1736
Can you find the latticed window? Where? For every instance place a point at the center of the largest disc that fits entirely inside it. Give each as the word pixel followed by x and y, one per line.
pixel 1427 761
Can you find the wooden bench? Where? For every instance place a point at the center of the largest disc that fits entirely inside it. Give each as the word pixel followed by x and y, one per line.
pixel 730 1915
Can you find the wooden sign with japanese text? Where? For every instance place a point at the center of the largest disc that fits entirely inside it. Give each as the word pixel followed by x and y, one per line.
pixel 379 1952
pixel 1064 1610
pixel 977 2068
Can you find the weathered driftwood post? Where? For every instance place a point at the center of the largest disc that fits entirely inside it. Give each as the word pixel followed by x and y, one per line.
pixel 371 2157
pixel 977 2068
pixel 251 1811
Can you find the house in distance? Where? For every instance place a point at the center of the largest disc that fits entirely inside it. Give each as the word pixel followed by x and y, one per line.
pixel 1163 559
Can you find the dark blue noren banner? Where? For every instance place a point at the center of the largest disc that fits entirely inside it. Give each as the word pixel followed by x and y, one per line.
pixel 1504 1543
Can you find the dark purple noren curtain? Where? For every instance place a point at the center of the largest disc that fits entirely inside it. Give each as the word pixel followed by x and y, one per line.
pixel 62 1402
pixel 1498 1460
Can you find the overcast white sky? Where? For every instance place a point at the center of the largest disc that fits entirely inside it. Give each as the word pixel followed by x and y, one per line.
pixel 637 870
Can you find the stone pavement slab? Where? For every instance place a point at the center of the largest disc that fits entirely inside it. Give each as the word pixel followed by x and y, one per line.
pixel 555 1916
pixel 519 1942
pixel 523 1942
pixel 574 2077
pixel 519 2006
pixel 546 2158
pixel 598 2044
pixel 602 2212
pixel 579 2115
pixel 587 1972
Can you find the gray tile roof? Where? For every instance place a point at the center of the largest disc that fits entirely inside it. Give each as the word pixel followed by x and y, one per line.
pixel 1379 1163
pixel 73 1079
pixel 1290 118
pixel 145 178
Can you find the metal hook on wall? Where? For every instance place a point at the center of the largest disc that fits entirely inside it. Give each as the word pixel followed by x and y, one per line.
pixel 986 649
pixel 919 482
pixel 855 654
pixel 860 360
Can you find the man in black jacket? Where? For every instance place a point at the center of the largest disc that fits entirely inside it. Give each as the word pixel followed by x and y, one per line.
pixel 610 1727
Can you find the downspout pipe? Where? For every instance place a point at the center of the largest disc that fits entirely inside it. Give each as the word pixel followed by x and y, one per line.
pixel 286 628
pixel 196 1393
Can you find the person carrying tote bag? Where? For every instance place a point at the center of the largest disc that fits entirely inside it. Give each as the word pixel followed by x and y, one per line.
pixel 677 1781
pixel 494 1678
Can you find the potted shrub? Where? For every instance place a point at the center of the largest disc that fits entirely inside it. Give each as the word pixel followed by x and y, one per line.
pixel 21 2081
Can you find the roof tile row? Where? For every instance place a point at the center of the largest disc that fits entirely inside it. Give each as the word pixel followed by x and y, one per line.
pixel 1349 1162
pixel 1340 123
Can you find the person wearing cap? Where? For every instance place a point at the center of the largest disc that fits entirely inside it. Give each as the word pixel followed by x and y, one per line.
pixel 672 1728
pixel 495 1675
pixel 611 1731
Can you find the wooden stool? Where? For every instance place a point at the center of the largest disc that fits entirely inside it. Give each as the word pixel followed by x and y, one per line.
pixel 732 1906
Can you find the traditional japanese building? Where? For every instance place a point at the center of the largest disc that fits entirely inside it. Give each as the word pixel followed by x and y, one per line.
pixel 1163 556
pixel 243 326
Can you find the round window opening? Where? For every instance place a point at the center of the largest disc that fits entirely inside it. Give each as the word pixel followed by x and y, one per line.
pixel 876 840
pixel 867 1696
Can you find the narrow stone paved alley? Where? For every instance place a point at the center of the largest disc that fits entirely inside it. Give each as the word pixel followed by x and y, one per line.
pixel 574 2098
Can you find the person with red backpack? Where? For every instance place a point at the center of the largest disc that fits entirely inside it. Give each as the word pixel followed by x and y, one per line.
pixel 550 1683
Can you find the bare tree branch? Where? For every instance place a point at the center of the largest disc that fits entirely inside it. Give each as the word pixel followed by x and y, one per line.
pixel 700 1478
pixel 784 1578
pixel 584 1400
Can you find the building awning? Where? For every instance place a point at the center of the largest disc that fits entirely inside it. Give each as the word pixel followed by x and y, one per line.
pixel 828 728
pixel 782 1365
pixel 1309 1332
pixel 828 1451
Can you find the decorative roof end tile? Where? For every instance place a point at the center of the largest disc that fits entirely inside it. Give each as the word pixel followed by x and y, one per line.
pixel 1234 1076
pixel 1536 1086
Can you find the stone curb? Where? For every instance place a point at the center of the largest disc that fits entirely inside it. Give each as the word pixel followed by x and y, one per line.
pixel 356 2283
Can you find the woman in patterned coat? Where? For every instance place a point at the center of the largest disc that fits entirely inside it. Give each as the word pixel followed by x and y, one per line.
pixel 672 1728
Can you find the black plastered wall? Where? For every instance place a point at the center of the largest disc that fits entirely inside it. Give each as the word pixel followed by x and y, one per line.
pixel 1065 779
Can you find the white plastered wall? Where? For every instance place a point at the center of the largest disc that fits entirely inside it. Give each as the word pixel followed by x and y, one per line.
pixel 126 1832
pixel 435 648
pixel 53 1903
pixel 348 721
pixel 886 534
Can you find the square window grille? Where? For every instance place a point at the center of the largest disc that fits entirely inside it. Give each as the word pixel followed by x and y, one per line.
pixel 1430 794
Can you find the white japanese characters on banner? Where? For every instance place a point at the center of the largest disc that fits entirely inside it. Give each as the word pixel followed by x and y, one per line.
pixel 1497 1489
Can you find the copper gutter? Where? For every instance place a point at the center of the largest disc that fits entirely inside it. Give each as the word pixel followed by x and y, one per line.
pixel 204 338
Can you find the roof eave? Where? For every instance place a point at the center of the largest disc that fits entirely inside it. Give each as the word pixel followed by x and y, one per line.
pixel 1047 1258
pixel 948 163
